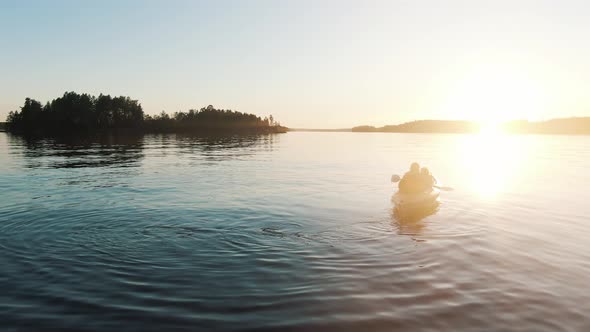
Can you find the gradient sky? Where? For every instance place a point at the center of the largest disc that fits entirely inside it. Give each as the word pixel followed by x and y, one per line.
pixel 313 64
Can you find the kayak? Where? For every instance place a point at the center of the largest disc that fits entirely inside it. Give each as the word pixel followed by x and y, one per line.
pixel 416 201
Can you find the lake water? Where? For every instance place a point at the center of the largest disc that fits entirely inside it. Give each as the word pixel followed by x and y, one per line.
pixel 295 232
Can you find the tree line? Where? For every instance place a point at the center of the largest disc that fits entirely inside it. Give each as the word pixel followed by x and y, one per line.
pixel 424 126
pixel 565 126
pixel 79 113
pixel 208 118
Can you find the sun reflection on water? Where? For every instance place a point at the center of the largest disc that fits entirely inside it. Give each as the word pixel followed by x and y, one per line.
pixel 491 160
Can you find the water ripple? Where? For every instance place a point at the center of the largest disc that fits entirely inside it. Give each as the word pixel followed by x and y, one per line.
pixel 176 232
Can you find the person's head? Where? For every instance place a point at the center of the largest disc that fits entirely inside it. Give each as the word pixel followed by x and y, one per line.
pixel 424 171
pixel 415 167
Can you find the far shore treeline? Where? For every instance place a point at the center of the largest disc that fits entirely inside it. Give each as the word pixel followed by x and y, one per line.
pixel 75 113
pixel 567 126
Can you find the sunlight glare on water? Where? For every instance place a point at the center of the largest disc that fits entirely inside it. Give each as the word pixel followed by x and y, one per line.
pixel 492 161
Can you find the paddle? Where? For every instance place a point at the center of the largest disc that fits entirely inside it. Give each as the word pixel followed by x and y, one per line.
pixel 396 178
pixel 443 188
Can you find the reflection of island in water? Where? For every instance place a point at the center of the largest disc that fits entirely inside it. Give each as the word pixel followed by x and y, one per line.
pixel 566 126
pixel 81 152
pixel 125 151
pixel 211 147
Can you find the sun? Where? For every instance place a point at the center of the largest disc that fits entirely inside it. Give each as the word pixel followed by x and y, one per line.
pixel 494 94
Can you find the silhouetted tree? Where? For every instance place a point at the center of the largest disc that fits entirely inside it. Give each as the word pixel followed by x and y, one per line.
pixel 75 112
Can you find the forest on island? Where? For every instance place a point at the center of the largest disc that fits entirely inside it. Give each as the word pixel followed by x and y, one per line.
pixel 75 113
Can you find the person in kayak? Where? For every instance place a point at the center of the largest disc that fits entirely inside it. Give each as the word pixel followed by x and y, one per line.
pixel 410 183
pixel 426 179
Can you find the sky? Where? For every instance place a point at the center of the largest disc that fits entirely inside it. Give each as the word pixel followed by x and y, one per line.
pixel 311 64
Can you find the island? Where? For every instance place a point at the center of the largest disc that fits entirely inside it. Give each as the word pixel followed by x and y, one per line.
pixel 75 113
pixel 562 126
pixel 424 126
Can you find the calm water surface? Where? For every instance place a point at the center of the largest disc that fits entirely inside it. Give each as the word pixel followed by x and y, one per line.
pixel 293 232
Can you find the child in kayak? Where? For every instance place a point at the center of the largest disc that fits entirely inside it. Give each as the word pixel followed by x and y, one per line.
pixel 426 179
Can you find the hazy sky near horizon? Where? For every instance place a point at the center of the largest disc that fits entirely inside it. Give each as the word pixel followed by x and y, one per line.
pixel 313 64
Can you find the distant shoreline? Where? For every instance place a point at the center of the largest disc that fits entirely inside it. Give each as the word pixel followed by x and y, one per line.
pixel 561 126
pixel 322 130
